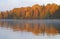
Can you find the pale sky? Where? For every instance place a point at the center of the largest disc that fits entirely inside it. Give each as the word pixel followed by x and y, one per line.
pixel 10 4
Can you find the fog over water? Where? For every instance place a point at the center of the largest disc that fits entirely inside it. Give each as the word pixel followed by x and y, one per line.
pixel 29 29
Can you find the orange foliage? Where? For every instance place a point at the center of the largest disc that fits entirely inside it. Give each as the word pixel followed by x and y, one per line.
pixel 35 11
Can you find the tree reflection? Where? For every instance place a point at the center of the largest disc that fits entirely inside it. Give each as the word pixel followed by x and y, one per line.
pixel 35 28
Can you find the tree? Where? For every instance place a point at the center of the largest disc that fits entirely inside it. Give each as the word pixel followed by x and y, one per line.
pixel 2 13
pixel 48 15
pixel 56 14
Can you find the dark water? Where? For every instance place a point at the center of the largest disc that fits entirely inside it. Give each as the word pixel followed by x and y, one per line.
pixel 29 29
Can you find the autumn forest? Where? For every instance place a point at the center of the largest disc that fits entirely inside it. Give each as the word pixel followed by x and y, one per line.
pixel 49 11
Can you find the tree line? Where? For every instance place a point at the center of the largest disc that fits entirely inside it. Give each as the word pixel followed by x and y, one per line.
pixel 50 11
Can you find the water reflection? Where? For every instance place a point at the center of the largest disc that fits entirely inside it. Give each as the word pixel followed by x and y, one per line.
pixel 36 28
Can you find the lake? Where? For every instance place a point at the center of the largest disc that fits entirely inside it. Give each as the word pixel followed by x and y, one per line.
pixel 29 29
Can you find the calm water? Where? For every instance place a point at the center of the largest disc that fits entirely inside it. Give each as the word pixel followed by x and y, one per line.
pixel 29 29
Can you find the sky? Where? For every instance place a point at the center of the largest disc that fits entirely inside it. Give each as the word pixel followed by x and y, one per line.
pixel 10 4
